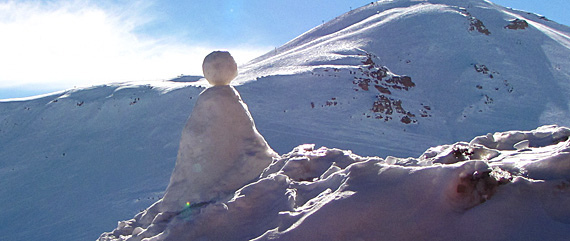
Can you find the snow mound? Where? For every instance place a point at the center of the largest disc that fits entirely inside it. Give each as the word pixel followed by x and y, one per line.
pixel 452 192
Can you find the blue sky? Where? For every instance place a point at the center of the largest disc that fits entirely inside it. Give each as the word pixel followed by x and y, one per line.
pixel 53 45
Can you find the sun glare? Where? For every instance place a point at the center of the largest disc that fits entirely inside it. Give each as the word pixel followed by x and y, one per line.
pixel 81 44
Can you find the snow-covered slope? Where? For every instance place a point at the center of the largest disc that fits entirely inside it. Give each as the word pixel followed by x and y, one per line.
pixel 419 72
pixel 390 78
pixel 71 162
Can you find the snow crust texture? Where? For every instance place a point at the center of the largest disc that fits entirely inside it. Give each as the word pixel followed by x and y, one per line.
pixel 488 189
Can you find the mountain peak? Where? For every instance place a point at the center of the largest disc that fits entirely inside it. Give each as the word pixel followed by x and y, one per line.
pixel 471 67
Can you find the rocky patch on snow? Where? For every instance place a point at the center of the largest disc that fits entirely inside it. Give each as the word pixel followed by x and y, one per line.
pixel 517 24
pixel 474 23
pixel 492 74
pixel 371 73
pixel 372 76
pixel 368 77
pixel 386 106
pixel 493 86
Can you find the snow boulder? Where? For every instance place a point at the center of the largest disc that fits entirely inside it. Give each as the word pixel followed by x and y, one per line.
pixel 219 68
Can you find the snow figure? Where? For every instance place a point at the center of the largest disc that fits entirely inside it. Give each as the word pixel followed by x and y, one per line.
pixel 220 148
pixel 219 68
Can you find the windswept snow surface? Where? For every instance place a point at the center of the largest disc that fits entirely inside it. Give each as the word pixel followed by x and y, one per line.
pixel 483 190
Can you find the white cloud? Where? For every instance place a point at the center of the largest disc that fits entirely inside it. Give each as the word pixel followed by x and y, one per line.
pixel 79 43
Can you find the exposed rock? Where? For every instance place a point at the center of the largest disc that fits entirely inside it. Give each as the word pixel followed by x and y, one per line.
pixel 385 107
pixel 517 24
pixel 476 24
pixel 481 68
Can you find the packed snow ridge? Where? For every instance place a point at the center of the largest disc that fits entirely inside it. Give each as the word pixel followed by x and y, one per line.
pixel 228 184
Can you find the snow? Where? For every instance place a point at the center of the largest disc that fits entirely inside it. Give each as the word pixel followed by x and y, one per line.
pixel 332 194
pixel 112 148
pixel 220 150
pixel 526 83
pixel 229 185
pixel 87 157
pixel 219 68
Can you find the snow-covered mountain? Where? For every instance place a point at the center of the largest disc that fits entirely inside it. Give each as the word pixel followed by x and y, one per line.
pixel 390 78
pixel 418 72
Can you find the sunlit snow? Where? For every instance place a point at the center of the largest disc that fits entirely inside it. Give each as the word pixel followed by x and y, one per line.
pixel 381 92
